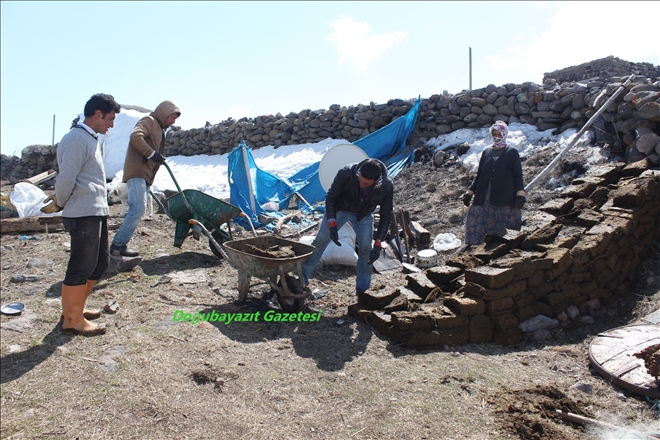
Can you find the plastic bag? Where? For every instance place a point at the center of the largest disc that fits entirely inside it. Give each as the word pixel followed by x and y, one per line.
pixel 343 255
pixel 28 199
pixel 446 242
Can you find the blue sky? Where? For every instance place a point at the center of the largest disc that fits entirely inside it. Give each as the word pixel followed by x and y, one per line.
pixel 222 59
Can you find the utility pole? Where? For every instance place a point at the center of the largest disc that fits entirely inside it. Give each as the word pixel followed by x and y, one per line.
pixel 53 130
pixel 470 68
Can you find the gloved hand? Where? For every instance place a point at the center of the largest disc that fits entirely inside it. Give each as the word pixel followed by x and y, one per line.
pixel 51 207
pixel 158 158
pixel 334 233
pixel 375 252
pixel 467 197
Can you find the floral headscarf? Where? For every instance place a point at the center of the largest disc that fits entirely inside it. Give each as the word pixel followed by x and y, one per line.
pixel 504 131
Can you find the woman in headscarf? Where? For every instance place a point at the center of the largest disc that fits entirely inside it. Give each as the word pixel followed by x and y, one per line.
pixel 498 190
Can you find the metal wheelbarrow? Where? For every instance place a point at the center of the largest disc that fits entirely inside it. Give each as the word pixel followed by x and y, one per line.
pixel 251 258
pixel 207 211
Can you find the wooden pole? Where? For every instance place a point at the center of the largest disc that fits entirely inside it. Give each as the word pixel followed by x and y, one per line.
pixel 249 177
pixel 588 421
pixel 579 134
pixel 470 68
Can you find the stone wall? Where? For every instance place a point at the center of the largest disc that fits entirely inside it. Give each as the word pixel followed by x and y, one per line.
pixel 556 104
pixel 35 159
pixel 587 252
pixel 566 99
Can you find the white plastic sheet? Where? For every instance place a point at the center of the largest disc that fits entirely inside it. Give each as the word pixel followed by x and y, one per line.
pixel 28 200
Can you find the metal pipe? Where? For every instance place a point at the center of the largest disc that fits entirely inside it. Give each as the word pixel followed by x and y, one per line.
pixel 579 134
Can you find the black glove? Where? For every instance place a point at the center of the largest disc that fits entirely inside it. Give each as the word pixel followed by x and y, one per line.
pixel 520 201
pixel 375 252
pixel 334 233
pixel 158 158
pixel 466 198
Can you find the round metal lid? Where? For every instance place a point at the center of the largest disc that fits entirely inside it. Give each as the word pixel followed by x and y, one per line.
pixel 337 158
pixel 14 308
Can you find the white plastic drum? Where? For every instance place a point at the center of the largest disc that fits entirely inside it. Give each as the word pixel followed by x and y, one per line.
pixel 337 158
pixel 427 258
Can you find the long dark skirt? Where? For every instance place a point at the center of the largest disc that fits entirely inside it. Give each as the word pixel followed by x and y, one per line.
pixel 485 218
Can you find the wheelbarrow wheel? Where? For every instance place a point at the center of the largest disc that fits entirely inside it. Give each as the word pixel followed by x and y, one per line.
pixel 219 238
pixel 288 304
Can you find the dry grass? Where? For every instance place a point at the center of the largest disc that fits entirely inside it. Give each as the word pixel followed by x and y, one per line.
pixel 152 378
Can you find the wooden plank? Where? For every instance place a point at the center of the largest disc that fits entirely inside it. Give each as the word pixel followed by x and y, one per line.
pixel 40 178
pixel 422 235
pixel 31 224
pixel 612 353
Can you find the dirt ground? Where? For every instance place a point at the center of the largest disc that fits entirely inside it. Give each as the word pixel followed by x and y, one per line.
pixel 151 377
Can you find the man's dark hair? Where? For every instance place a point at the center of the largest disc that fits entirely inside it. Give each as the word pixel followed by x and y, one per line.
pixel 370 169
pixel 103 102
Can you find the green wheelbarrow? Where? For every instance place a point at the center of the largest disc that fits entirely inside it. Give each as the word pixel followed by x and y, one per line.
pixel 205 210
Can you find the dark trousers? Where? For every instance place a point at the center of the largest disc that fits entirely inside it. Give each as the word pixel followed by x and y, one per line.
pixel 89 249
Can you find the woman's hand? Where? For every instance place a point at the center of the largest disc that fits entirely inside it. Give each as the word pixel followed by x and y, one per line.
pixel 467 197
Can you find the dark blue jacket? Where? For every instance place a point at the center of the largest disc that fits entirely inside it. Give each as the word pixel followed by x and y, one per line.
pixel 506 176
pixel 345 195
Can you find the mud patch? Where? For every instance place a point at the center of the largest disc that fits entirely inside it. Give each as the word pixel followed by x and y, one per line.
pixel 532 414
pixel 276 251
pixel 651 357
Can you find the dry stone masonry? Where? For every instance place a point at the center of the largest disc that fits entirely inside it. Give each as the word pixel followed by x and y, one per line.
pixel 34 160
pixel 566 99
pixel 583 251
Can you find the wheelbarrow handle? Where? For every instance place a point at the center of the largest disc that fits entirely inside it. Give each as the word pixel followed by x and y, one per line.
pixel 183 196
pixel 192 221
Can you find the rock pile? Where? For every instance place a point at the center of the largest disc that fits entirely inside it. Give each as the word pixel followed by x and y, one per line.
pixel 34 160
pixel 586 252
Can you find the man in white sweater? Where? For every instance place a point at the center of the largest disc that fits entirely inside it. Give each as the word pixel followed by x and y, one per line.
pixel 80 193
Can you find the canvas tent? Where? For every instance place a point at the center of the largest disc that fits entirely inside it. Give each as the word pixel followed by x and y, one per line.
pixel 256 191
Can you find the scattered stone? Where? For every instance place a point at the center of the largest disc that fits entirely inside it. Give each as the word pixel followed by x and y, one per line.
pixel 162 280
pixel 572 312
pixel 107 361
pixel 583 387
pixel 538 322
pixel 20 324
pixel 14 349
pixel 588 307
pixel 20 278
pixel 562 317
pixel 119 264
pixel 194 277
pixel 111 307
pixel 586 320
pixel 33 290
pixel 540 335
pixel 39 262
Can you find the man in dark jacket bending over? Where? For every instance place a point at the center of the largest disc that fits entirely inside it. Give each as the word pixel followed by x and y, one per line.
pixel 352 197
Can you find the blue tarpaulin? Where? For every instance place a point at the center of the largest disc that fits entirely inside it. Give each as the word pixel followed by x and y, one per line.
pixel 252 188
